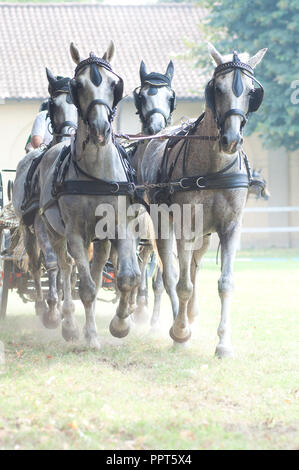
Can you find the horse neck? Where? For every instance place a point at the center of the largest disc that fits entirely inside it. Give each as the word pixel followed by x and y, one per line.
pixel 206 156
pixel 100 161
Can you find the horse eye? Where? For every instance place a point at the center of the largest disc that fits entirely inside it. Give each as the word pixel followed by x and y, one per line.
pixel 113 85
pixel 218 90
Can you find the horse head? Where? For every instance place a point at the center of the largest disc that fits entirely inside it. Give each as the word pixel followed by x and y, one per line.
pixel 96 90
pixel 155 99
pixel 62 112
pixel 232 96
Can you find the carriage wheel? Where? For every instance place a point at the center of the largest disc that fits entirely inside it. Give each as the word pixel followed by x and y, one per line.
pixel 5 270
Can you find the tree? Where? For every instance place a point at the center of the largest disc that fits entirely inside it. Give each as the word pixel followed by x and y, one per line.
pixel 250 26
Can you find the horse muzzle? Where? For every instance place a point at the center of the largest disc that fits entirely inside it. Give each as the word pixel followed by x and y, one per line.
pixel 231 142
pixel 100 134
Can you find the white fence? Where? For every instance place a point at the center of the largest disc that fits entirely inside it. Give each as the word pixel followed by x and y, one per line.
pixel 271 229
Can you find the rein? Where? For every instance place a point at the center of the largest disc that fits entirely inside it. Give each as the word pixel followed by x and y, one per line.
pixel 182 134
pixel 138 137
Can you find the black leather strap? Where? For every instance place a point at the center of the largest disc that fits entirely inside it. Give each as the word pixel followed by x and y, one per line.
pixel 218 181
pixel 94 188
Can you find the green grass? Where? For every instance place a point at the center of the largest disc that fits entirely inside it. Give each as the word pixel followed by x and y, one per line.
pixel 139 393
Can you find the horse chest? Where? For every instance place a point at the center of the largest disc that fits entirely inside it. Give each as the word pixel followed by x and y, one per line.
pixel 219 209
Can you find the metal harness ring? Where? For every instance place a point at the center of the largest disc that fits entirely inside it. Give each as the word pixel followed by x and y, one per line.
pixel 200 186
pixel 117 188
pixel 181 183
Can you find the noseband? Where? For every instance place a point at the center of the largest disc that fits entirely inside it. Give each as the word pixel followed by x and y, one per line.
pixel 96 78
pixel 154 80
pixel 256 96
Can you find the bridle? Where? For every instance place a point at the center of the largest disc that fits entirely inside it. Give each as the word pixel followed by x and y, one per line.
pixel 256 95
pixel 61 86
pixel 94 62
pixel 154 80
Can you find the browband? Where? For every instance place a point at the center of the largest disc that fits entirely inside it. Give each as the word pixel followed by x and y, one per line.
pixel 93 59
pixel 233 65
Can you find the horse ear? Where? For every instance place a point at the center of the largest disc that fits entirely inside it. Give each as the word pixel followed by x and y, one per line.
pixel 142 71
pixel 51 79
pixel 75 53
pixel 170 70
pixel 110 52
pixel 216 56
pixel 253 61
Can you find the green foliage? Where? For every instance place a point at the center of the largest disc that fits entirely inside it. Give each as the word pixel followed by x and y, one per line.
pixel 250 26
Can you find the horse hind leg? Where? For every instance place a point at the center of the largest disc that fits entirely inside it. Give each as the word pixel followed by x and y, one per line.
pixel 32 250
pixel 158 288
pixel 51 317
pixel 141 311
pixel 193 304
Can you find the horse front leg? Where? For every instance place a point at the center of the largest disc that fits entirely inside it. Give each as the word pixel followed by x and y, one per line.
pixel 229 242
pixel 101 250
pixel 51 317
pixel 180 331
pixel 88 286
pixel 128 279
pixel 70 331
pixel 169 274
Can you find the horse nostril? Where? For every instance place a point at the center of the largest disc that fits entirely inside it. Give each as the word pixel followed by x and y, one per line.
pixel 224 140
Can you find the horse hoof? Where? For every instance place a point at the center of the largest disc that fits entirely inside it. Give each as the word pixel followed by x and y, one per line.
pixel 141 315
pixel 94 343
pixel 51 323
pixel 119 327
pixel 179 339
pixel 223 352
pixel 41 308
pixel 70 332
pixel 181 346
pixel 155 328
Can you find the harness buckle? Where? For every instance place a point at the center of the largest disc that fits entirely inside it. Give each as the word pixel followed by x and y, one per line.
pixel 200 186
pixel 181 183
pixel 117 188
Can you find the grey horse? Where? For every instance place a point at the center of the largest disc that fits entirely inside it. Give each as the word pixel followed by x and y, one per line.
pixel 71 220
pixel 155 102
pixel 212 157
pixel 63 116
